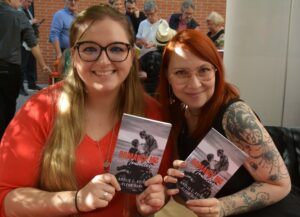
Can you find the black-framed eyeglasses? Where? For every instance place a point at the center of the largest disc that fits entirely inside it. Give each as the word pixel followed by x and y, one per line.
pixel 90 51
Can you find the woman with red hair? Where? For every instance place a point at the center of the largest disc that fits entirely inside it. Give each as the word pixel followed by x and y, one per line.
pixel 196 97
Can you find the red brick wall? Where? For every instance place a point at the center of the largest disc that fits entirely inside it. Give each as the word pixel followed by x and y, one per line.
pixel 46 9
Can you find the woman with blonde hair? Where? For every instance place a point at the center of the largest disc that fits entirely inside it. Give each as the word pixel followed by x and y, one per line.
pixel 215 25
pixel 56 152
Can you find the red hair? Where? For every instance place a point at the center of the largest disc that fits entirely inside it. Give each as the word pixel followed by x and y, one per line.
pixel 201 46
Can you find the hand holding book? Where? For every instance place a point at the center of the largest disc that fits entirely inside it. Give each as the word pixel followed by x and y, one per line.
pixel 137 156
pixel 207 168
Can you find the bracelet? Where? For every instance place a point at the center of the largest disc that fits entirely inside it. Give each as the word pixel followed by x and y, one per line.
pixel 76 203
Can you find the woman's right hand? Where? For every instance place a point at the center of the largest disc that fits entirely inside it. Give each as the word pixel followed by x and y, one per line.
pixel 172 177
pixel 97 193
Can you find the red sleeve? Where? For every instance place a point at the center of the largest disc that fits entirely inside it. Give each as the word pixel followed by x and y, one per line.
pixel 154 111
pixel 22 144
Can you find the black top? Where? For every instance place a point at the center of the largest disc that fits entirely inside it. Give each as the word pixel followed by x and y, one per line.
pixel 15 28
pixel 175 19
pixel 214 37
pixel 288 207
pixel 35 26
pixel 135 21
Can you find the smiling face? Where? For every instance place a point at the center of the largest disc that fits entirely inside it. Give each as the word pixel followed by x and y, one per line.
pixel 187 14
pixel 196 90
pixel 103 75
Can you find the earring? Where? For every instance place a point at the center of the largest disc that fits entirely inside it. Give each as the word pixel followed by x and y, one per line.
pixel 171 96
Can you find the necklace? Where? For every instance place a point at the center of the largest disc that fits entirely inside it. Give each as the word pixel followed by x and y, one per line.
pixel 189 112
pixel 106 162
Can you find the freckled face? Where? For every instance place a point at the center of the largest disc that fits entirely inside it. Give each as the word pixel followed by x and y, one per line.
pixel 194 93
pixel 103 75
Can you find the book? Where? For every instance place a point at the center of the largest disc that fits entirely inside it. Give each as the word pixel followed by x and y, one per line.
pixel 209 166
pixel 140 146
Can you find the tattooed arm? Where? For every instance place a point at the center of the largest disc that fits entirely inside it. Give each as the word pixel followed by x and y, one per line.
pixel 264 163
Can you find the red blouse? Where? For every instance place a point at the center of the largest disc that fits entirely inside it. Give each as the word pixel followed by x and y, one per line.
pixel 22 144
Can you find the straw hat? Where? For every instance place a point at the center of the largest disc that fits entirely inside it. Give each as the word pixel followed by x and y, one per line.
pixel 164 33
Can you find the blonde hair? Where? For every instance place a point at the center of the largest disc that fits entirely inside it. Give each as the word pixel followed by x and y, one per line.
pixel 215 18
pixel 57 169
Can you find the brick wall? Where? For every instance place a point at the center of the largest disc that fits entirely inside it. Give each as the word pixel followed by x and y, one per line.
pixel 46 9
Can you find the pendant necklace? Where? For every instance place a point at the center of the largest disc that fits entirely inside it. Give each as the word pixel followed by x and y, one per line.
pixel 106 162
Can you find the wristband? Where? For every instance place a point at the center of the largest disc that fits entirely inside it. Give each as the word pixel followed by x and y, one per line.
pixel 76 203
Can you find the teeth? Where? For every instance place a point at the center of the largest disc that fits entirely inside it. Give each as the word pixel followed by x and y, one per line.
pixel 103 73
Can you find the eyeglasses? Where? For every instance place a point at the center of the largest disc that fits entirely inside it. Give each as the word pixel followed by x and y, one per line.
pixel 90 51
pixel 203 73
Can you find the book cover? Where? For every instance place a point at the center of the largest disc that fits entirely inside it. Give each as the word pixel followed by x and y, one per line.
pixel 209 166
pixel 140 146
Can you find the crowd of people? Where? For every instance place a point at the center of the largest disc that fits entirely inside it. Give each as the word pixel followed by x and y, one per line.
pixel 56 151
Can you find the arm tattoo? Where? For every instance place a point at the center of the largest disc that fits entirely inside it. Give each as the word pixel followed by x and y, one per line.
pixel 252 197
pixel 242 128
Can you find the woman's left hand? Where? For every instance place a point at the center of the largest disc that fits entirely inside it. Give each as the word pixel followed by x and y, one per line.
pixel 210 207
pixel 152 198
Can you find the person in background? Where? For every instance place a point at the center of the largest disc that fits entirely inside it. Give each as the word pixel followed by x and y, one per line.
pixel 117 4
pixel 145 39
pixel 151 62
pixel 184 20
pixel 135 15
pixel 28 64
pixel 196 97
pixel 163 35
pixel 215 25
pixel 65 63
pixel 15 28
pixel 60 144
pixel 61 23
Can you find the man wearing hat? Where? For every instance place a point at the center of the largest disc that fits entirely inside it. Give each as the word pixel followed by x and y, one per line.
pixel 150 58
pixel 163 35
